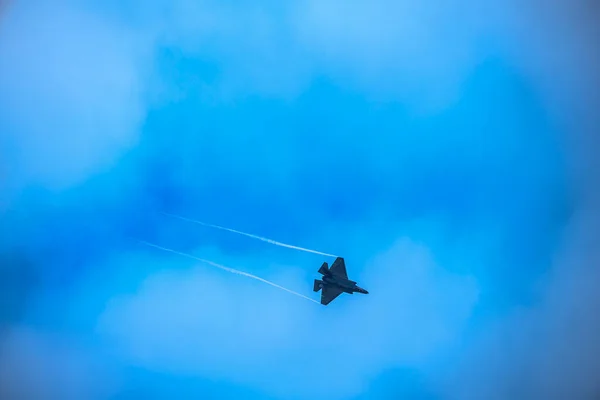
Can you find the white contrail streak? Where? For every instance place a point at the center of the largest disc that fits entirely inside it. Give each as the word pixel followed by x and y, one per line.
pixel 264 239
pixel 233 271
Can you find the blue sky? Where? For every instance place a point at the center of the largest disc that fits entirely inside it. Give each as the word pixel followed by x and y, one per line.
pixel 445 152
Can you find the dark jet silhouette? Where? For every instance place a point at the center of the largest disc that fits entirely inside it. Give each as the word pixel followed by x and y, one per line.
pixel 335 282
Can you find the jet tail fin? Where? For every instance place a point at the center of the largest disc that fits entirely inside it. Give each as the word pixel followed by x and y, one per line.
pixel 324 270
pixel 317 285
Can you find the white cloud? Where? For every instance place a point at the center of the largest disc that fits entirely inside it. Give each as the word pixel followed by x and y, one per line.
pixel 410 51
pixel 70 90
pixel 208 323
pixel 418 53
pixel 551 350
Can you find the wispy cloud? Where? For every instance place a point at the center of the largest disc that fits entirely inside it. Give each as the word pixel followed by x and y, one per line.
pixel 549 350
pixel 338 126
pixel 251 329
pixel 71 93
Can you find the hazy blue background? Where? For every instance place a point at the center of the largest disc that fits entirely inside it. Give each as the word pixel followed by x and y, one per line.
pixel 446 150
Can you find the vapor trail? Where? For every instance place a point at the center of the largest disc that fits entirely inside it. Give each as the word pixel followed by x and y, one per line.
pixel 264 239
pixel 233 271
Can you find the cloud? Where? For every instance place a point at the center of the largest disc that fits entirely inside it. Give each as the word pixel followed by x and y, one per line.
pixel 550 349
pixel 307 127
pixel 393 50
pixel 384 50
pixel 206 323
pixel 71 94
pixel 43 365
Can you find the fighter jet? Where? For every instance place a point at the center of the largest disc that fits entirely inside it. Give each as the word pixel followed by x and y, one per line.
pixel 335 282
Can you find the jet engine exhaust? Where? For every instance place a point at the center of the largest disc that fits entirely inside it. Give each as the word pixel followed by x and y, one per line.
pixel 264 239
pixel 228 269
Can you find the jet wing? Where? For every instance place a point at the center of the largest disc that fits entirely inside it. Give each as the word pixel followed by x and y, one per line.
pixel 329 293
pixel 339 268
